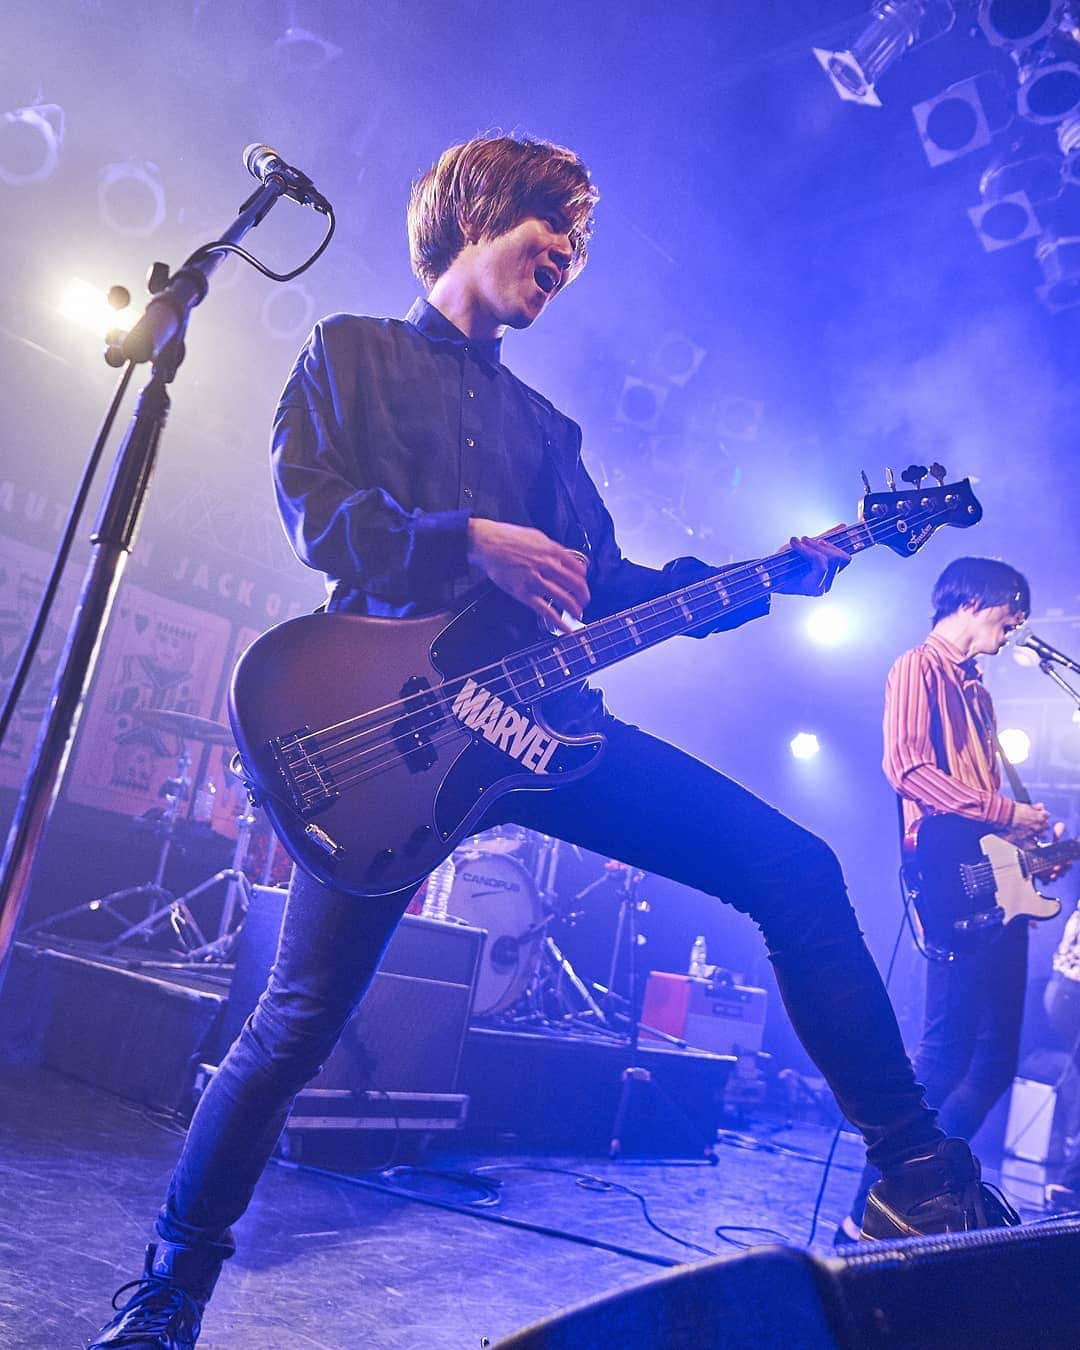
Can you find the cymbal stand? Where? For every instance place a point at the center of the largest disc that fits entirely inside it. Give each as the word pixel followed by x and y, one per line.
pixel 237 895
pixel 559 966
pixel 160 898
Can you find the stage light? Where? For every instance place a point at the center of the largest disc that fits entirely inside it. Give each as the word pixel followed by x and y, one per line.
pixel 891 29
pixel 1016 24
pixel 1068 139
pixel 130 198
pixel 678 358
pixel 30 141
pixel 90 308
pixel 1049 80
pixel 640 403
pixel 301 48
pixel 1059 258
pixel 828 625
pixel 737 417
pixel 1038 177
pixel 1005 221
pixel 1015 744
pixel 952 123
pixel 288 311
pixel 804 745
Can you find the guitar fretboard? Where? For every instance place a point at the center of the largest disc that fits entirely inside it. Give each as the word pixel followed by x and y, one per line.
pixel 548 666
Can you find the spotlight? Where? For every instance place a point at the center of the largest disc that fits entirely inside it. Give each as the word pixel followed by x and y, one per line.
pixel 1049 80
pixel 1059 258
pixel 1017 23
pixel 952 123
pixel 30 141
pixel 288 311
pixel 738 417
pixel 828 625
pixel 1005 221
pixel 301 48
pixel 640 403
pixel 892 28
pixel 1015 744
pixel 804 745
pixel 91 308
pixel 1038 177
pixel 130 198
pixel 1068 139
pixel 677 358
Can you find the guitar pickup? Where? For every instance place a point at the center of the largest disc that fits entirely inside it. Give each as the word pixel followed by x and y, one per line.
pixel 412 733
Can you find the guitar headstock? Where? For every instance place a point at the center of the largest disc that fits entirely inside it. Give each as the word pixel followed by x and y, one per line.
pixel 904 521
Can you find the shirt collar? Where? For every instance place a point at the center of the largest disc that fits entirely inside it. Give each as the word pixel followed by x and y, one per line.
pixel 426 319
pixel 968 666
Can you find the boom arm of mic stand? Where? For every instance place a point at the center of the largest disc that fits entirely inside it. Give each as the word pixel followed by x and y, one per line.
pixel 159 333
pixel 1048 668
pixel 167 314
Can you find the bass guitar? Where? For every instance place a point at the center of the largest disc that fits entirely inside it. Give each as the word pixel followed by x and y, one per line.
pixel 376 745
pixel 966 882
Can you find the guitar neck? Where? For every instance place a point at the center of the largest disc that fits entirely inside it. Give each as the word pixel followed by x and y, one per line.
pixel 1047 856
pixel 548 666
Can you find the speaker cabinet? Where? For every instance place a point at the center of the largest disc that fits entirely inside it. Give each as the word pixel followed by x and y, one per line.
pixel 998 1289
pixel 406 1036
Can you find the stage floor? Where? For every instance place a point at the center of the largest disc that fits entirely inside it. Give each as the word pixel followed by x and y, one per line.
pixel 326 1264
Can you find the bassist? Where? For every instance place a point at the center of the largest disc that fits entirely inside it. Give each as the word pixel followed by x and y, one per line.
pixel 410 463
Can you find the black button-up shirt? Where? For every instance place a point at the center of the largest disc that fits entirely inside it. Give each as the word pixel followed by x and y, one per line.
pixel 391 433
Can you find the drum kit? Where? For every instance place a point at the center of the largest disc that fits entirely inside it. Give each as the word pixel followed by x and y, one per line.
pixel 504 881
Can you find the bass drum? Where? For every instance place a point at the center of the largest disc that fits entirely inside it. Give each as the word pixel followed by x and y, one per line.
pixel 494 892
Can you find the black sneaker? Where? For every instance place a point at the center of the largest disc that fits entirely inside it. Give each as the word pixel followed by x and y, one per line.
pixel 166 1305
pixel 940 1192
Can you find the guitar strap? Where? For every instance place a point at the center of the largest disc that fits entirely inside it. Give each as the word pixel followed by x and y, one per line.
pixel 1019 791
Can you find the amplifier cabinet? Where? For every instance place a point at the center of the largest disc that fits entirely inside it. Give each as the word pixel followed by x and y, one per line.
pixel 725 1019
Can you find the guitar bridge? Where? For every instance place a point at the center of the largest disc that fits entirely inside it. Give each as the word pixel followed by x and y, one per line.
pixel 304 772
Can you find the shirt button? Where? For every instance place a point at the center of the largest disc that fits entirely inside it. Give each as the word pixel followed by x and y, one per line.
pixel 469 442
pixel 471 393
pixel 468 492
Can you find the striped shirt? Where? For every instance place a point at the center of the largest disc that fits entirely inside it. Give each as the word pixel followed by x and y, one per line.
pixel 940 737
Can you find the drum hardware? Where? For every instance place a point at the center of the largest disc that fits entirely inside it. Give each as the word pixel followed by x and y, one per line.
pixel 165 909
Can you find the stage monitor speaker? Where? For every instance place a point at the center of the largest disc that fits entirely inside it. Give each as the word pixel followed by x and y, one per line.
pixel 998 1289
pixel 407 1034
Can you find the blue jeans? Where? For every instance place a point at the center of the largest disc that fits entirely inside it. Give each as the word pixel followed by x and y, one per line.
pixel 970 1043
pixel 652 806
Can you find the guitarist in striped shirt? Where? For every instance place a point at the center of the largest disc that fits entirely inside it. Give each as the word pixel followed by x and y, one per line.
pixel 940 755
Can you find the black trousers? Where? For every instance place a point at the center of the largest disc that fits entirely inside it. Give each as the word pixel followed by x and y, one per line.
pixel 652 806
pixel 970 1044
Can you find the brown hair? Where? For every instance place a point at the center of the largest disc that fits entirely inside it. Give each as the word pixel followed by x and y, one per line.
pixel 484 187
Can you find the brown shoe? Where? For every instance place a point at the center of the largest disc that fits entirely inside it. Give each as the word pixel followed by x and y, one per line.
pixel 939 1192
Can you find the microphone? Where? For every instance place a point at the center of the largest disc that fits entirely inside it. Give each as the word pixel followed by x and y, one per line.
pixel 263 162
pixel 1047 653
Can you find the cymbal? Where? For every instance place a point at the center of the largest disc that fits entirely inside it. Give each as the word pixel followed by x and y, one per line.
pixel 186 725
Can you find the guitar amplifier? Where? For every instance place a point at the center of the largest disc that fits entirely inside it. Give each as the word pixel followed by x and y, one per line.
pixel 726 1019
pixel 406 1036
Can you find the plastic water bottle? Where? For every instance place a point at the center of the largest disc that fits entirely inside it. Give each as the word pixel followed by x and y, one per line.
pixel 698 958
pixel 437 894
pixel 202 809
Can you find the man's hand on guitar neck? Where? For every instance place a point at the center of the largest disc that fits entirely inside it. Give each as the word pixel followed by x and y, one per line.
pixel 823 560
pixel 1030 819
pixel 535 570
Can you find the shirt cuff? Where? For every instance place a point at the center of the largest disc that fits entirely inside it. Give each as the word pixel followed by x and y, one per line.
pixel 440 544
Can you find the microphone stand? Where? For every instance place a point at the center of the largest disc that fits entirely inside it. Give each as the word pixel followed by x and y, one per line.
pixel 158 337
pixel 1046 665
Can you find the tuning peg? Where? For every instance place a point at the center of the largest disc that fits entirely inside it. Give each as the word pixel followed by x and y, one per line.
pixel 866 483
pixel 914 474
pixel 938 471
pixel 890 481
